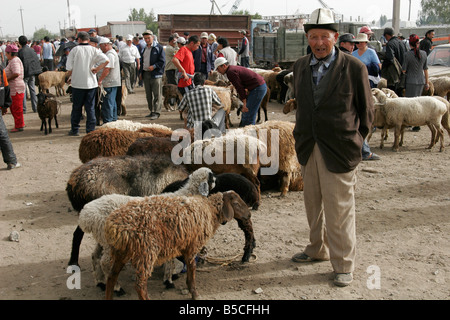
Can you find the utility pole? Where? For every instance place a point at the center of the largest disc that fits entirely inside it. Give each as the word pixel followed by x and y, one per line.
pixel 21 17
pixel 68 10
pixel 396 17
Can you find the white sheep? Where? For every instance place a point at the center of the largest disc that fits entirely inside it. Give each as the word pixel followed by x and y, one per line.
pixel 55 79
pixel 418 111
pixel 93 216
pixel 226 154
pixel 152 231
pixel 132 125
pixel 441 86
pixel 279 139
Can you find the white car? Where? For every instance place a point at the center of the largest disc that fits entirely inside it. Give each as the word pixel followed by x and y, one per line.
pixel 439 61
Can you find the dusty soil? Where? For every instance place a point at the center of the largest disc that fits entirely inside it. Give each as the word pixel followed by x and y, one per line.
pixel 403 228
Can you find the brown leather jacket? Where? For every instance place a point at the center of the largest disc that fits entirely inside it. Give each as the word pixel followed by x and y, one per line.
pixel 341 117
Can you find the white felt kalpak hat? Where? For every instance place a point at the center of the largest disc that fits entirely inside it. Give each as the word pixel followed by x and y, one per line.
pixel 322 19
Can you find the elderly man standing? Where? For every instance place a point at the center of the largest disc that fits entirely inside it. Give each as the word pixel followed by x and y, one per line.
pixel 153 64
pixel 110 79
pixel 81 68
pixel 334 115
pixel 129 55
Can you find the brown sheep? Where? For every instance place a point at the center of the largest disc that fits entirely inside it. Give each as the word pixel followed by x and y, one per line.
pixel 107 143
pixel 152 231
pixel 171 96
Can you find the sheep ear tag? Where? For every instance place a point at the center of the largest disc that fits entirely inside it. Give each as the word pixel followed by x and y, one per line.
pixel 203 189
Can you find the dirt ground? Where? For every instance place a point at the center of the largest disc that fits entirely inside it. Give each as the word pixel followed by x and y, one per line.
pixel 403 228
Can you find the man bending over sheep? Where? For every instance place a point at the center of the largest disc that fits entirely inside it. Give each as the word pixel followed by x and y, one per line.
pixel 199 102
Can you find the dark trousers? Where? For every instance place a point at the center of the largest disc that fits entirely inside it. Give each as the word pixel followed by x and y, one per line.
pixel 86 98
pixel 5 144
pixel 171 76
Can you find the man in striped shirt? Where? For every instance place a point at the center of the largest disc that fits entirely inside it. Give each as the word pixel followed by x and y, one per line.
pixel 199 102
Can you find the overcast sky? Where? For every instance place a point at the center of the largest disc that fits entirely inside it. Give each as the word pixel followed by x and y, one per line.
pixel 53 13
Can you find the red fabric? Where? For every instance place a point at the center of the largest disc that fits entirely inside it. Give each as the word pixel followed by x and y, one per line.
pixel 17 110
pixel 187 62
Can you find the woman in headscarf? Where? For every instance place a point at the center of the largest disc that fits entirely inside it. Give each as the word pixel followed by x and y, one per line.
pixel 415 68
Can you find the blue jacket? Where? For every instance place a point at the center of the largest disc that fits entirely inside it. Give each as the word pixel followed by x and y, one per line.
pixel 157 59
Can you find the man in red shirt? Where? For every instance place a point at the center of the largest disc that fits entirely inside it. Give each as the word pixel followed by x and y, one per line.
pixel 250 86
pixel 184 61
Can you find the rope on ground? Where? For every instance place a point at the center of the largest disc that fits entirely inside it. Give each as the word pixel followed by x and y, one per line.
pixel 223 262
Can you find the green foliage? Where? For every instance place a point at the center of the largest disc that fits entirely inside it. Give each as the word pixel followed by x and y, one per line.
pixel 149 19
pixel 41 33
pixel 247 13
pixel 383 20
pixel 434 12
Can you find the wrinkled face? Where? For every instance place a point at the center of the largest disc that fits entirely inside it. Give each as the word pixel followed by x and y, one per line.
pixel 348 45
pixel 322 42
pixel 148 39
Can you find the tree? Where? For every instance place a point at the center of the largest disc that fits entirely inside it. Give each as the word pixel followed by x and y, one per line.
pixel 383 20
pixel 247 13
pixel 434 12
pixel 141 15
pixel 42 32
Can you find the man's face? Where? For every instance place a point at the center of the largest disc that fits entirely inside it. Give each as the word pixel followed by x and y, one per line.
pixel 348 45
pixel 431 35
pixel 221 69
pixel 322 42
pixel 148 39
pixel 204 41
pixel 193 46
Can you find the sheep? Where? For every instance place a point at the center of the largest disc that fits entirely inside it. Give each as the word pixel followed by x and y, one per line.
pixel 108 141
pixel 133 126
pixel 226 154
pixel 229 101
pixel 418 111
pixel 47 108
pixel 290 106
pixel 133 176
pixel 283 156
pixel 248 193
pixel 53 79
pixel 154 230
pixel 93 215
pixel 441 86
pixel 289 81
pixel 171 96
pixel 270 77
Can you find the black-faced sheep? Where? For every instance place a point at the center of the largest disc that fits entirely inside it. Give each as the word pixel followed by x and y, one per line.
pixel 155 230
pixel 418 111
pixel 93 216
pixel 133 176
pixel 47 109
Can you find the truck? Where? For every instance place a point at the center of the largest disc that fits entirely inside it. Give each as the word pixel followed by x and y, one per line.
pixel 225 26
pixel 286 46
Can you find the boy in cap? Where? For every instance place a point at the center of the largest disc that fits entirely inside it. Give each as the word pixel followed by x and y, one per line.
pixel 329 133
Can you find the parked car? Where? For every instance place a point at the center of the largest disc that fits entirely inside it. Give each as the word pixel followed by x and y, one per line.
pixel 439 61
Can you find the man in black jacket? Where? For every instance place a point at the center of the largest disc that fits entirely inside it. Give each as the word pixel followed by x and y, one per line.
pixel 427 43
pixel 395 49
pixel 31 68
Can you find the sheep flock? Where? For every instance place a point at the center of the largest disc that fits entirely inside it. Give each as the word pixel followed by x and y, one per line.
pixel 153 196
